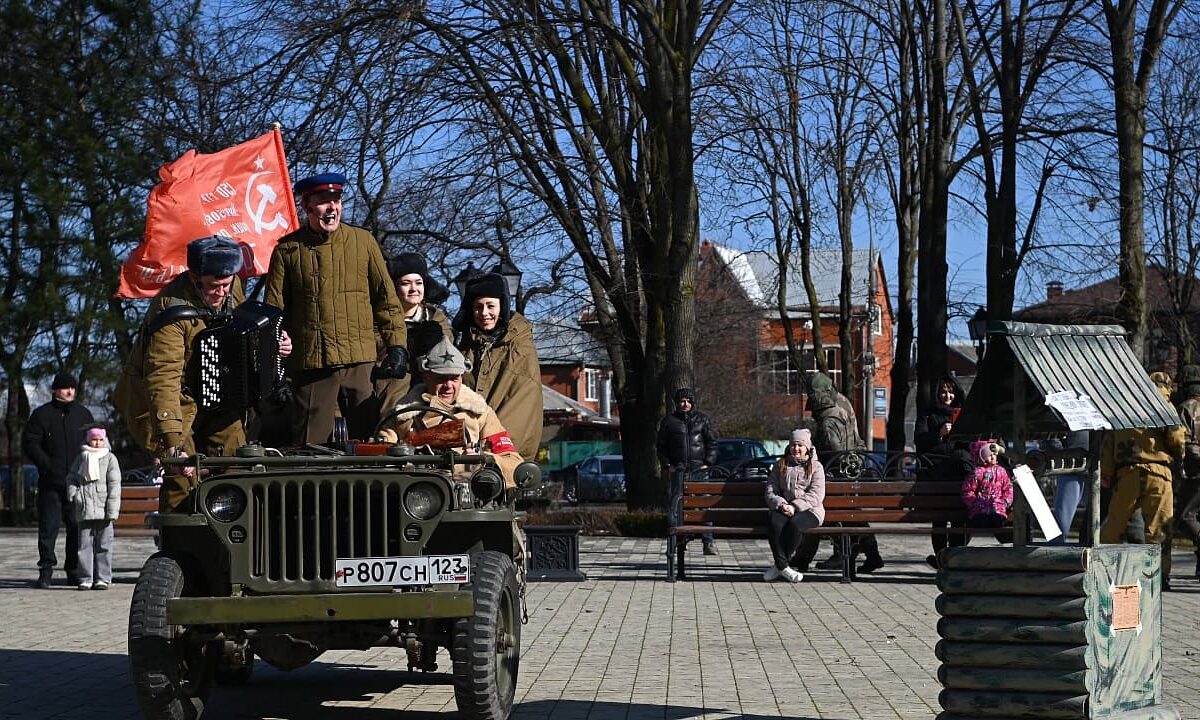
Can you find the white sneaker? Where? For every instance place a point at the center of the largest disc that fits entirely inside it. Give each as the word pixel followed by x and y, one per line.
pixel 791 575
pixel 85 586
pixel 100 585
pixel 772 574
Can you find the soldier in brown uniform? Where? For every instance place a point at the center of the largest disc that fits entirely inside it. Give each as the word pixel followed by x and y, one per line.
pixel 153 393
pixel 1137 463
pixel 333 285
pixel 499 343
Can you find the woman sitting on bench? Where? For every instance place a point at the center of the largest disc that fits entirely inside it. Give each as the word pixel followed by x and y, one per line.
pixel 795 493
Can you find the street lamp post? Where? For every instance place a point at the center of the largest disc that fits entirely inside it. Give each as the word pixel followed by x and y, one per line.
pixel 977 327
pixel 512 278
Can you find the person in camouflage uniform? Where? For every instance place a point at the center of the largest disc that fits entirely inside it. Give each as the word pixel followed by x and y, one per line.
pixel 1138 463
pixel 1189 490
pixel 154 393
pixel 837 432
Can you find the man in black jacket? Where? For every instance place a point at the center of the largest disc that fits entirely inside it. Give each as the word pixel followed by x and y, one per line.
pixel 688 439
pixel 52 441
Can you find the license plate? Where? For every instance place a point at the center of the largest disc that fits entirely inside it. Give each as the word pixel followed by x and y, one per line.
pixel 396 571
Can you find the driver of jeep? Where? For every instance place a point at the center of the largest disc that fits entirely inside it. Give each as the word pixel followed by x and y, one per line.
pixel 442 388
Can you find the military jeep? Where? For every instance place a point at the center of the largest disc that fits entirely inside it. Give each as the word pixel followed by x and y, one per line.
pixel 285 556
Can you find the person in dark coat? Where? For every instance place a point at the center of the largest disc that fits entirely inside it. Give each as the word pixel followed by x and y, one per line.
pixel 949 459
pixel 687 439
pixel 53 441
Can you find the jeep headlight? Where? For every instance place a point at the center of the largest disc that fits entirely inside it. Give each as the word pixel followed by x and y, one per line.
pixel 226 503
pixel 423 501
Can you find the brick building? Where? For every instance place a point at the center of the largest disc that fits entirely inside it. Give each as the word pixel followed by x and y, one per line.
pixel 743 364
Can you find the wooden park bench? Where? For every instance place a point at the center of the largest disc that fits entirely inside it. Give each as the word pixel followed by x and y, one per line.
pixel 737 509
pixel 137 501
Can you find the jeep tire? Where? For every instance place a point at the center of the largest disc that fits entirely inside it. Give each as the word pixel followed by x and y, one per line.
pixel 486 647
pixel 171 674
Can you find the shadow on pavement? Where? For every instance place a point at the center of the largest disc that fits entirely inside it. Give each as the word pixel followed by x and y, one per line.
pixel 305 693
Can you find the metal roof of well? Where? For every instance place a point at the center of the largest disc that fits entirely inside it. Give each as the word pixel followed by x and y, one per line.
pixel 1025 362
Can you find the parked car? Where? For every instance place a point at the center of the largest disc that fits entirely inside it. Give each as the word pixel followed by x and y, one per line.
pixel 30 473
pixel 741 459
pixel 600 478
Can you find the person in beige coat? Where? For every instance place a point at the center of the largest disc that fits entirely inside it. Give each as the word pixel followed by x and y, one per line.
pixel 795 496
pixel 499 343
pixel 332 283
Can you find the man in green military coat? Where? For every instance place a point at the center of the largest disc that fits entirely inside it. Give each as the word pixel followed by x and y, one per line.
pixel 154 394
pixel 331 280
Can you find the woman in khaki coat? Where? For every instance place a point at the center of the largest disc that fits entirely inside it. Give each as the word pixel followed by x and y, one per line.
pixel 499 344
pixel 419 295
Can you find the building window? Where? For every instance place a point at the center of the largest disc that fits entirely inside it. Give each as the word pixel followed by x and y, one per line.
pixel 781 377
pixel 591 385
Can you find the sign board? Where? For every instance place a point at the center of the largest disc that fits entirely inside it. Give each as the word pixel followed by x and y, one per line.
pixel 1126 604
pixel 1077 411
pixel 1037 501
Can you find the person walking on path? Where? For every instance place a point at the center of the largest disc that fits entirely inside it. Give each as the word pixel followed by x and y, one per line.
pixel 52 441
pixel 1189 491
pixel 795 496
pixel 332 283
pixel 687 440
pixel 95 489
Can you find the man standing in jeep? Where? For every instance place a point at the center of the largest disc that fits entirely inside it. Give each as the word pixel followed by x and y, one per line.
pixel 333 285
pixel 687 439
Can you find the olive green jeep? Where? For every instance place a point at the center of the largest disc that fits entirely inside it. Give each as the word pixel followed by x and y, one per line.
pixel 287 556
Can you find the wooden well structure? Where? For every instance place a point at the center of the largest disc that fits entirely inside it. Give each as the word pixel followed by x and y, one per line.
pixel 1053 631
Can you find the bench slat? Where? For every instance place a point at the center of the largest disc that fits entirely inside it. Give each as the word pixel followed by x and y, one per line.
pixel 894 516
pixel 893 487
pixel 727 517
pixel 724 488
pixel 893 502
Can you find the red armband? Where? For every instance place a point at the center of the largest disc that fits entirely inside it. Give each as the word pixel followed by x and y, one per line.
pixel 501 442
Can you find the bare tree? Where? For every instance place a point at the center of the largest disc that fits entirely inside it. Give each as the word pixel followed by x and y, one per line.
pixel 1132 69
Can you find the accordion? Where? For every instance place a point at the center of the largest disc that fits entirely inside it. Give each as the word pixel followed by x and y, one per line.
pixel 239 360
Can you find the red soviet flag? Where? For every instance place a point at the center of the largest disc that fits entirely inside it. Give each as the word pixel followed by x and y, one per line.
pixel 242 192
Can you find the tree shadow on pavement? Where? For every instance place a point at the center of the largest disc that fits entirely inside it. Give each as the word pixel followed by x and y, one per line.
pixel 310 692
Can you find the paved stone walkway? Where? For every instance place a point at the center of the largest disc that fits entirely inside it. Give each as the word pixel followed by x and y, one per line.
pixel 623 644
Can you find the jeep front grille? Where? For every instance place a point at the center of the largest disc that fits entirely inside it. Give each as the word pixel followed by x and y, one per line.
pixel 298 529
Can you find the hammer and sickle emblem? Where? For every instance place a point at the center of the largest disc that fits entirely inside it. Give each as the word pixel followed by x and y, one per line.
pixel 267 196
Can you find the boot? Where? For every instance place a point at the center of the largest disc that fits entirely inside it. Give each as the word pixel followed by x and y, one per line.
pixel 44 575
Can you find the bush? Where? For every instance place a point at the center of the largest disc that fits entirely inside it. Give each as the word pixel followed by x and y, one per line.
pixel 604 522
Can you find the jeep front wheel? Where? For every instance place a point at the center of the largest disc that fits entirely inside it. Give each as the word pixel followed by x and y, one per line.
pixel 171 671
pixel 486 648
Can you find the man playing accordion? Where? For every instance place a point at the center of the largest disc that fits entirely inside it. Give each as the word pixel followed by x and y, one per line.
pixel 157 391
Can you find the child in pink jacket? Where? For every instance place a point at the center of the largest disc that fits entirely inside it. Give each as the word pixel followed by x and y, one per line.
pixel 987 490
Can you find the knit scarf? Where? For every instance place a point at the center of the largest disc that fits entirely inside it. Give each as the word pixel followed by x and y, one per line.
pixel 92 457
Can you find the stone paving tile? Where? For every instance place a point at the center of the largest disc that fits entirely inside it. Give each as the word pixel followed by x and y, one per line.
pixel 623 644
